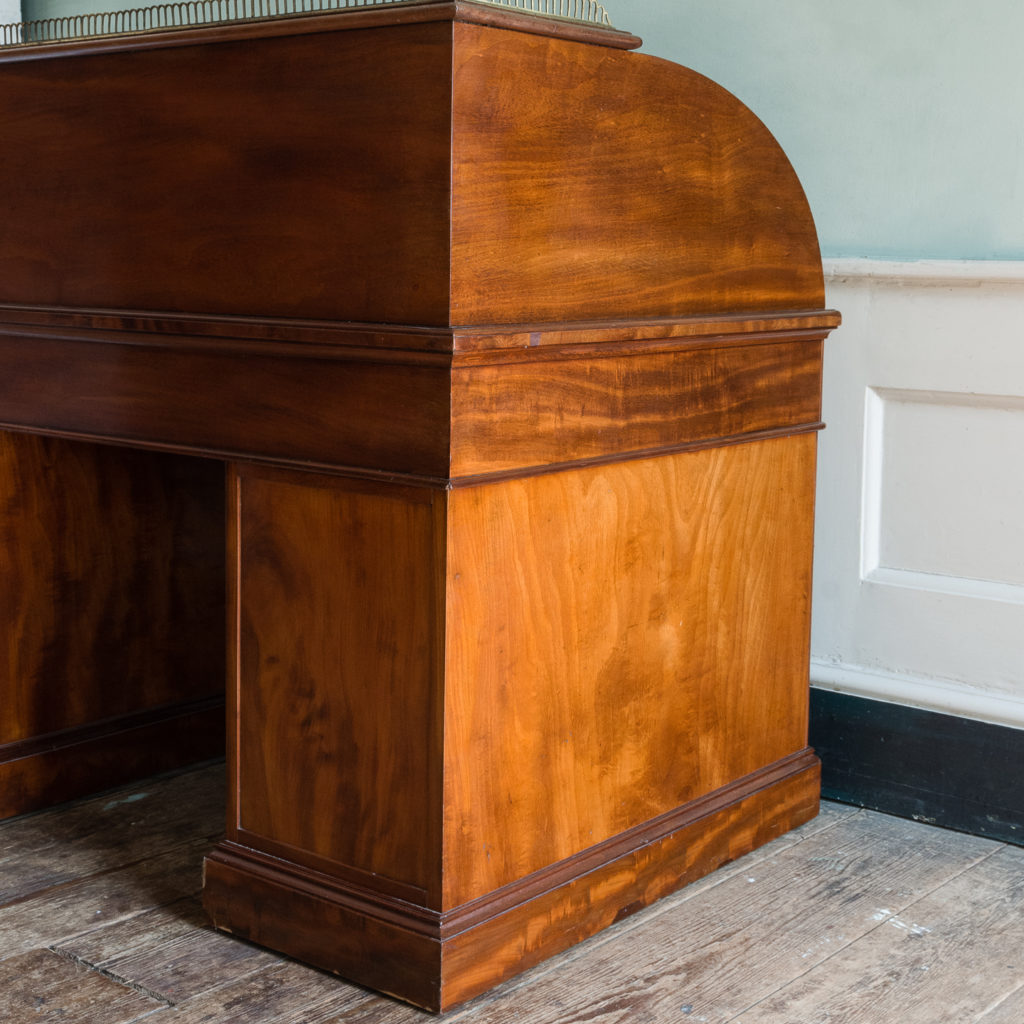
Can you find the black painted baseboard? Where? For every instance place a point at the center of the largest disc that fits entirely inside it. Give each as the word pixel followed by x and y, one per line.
pixel 947 771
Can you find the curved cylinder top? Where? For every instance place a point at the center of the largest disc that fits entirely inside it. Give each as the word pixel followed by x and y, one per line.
pixel 440 164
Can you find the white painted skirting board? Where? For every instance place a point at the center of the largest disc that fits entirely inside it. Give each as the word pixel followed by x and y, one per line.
pixel 918 692
pixel 919 545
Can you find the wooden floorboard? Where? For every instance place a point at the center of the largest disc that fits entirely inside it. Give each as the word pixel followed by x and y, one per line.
pixel 941 957
pixel 1007 1009
pixel 50 916
pixel 724 950
pixel 42 986
pixel 171 952
pixel 855 918
pixel 109 831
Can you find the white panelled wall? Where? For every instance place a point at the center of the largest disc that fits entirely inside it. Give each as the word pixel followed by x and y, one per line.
pixel 919 571
pixel 10 11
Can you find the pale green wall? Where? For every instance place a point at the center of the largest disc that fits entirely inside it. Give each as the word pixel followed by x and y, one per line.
pixel 903 118
pixel 32 9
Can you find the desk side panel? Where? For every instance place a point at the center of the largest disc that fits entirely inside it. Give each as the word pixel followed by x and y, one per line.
pixel 590 182
pixel 623 640
pixel 336 677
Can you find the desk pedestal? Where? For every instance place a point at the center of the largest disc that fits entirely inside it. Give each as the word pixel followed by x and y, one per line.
pixel 517 622
pixel 473 725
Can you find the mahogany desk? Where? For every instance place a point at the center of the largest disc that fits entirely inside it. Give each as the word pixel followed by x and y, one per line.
pixel 508 341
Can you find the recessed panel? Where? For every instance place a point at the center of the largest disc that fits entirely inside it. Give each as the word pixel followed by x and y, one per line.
pixel 948 485
pixel 337 659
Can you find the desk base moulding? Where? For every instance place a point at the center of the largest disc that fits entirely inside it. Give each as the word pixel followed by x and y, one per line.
pixel 437 960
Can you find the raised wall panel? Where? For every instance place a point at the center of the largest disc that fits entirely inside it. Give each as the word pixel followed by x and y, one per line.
pixel 940 498
pixel 920 499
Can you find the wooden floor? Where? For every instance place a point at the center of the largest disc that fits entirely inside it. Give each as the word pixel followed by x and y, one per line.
pixel 856 918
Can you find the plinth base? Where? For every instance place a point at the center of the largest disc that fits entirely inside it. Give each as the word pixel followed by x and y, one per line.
pixel 437 960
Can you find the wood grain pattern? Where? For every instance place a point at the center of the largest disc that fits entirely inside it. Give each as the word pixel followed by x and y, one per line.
pixel 596 670
pixel 233 178
pixel 973 917
pixel 171 952
pixel 735 939
pixel 286 993
pixel 538 411
pixel 799 914
pixel 608 631
pixel 486 343
pixel 72 992
pixel 293 911
pixel 1006 1009
pixel 55 767
pixel 437 961
pixel 327 338
pixel 339 691
pixel 505 662
pixel 382 411
pixel 589 182
pixel 505 944
pixel 112 566
pixel 46 850
pixel 106 897
pixel 314 176
pixel 374 416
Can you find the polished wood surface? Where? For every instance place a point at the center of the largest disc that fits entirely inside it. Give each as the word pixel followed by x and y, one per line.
pixel 524 694
pixel 493 949
pixel 438 961
pixel 607 627
pixel 217 186
pixel 339 646
pixel 534 409
pixel 420 172
pixel 590 182
pixel 112 564
pixel 224 399
pixel 511 341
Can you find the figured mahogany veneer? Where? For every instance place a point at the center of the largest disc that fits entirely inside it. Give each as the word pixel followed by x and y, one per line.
pixel 510 340
pixel 112 564
pixel 429 172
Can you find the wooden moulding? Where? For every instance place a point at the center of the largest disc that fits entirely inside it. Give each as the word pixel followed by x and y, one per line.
pixel 455 396
pixel 55 767
pixel 438 960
